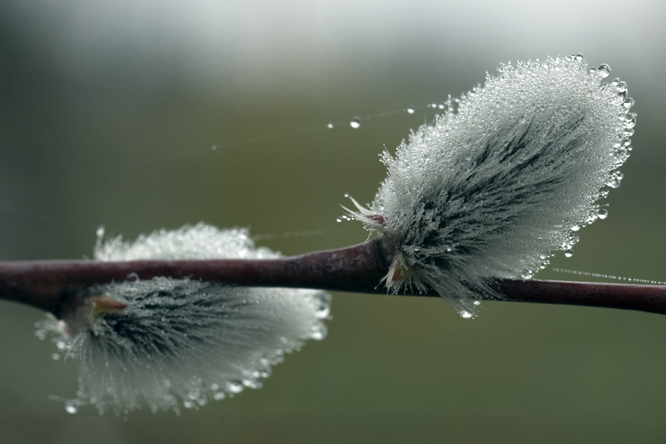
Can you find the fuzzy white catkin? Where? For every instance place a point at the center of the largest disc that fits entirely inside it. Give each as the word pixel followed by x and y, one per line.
pixel 181 342
pixel 505 177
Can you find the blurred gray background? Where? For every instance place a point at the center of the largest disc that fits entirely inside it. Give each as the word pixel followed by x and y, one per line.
pixel 109 112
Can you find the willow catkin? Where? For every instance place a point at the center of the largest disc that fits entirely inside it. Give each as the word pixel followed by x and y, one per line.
pixel 504 178
pixel 180 343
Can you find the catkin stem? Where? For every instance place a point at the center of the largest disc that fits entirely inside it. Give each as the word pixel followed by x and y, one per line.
pixel 55 285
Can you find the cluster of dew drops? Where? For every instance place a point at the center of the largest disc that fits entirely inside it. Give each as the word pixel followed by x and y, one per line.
pixel 55 329
pixel 355 122
pixel 621 152
pixel 621 149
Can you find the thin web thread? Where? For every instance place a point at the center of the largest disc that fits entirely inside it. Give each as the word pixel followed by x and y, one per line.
pixel 216 147
pixel 609 276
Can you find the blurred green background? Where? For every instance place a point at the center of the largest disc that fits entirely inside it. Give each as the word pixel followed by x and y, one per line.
pixel 109 112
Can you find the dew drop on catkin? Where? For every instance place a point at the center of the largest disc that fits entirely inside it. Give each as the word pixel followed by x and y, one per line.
pixel 494 186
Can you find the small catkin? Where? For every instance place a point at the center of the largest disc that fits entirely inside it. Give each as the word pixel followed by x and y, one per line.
pixel 505 177
pixel 181 342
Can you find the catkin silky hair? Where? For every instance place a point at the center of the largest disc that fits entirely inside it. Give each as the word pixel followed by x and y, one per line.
pixel 505 177
pixel 168 343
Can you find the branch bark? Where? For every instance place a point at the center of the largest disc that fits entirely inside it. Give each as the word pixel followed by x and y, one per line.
pixel 54 285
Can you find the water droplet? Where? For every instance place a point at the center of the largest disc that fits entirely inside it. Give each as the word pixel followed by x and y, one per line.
pixel 615 179
pixel 628 103
pixel 214 147
pixel 411 110
pixel 219 395
pixel 319 332
pixel 466 314
pixel 568 253
pixel 477 303
pixel 71 407
pixel 235 387
pixel 56 356
pixel 631 120
pixel 338 220
pixel 188 404
pixel 322 311
pixel 603 71
pixel 355 122
pixel 575 228
pixel 132 277
pixel 591 219
pixel 100 232
pixel 442 106
pixel 603 214
pixel 250 383
pixel 330 125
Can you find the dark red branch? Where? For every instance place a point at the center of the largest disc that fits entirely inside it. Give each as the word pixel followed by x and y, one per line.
pixel 649 298
pixel 50 285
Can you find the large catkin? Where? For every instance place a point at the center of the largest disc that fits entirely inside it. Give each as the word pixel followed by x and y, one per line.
pixel 504 178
